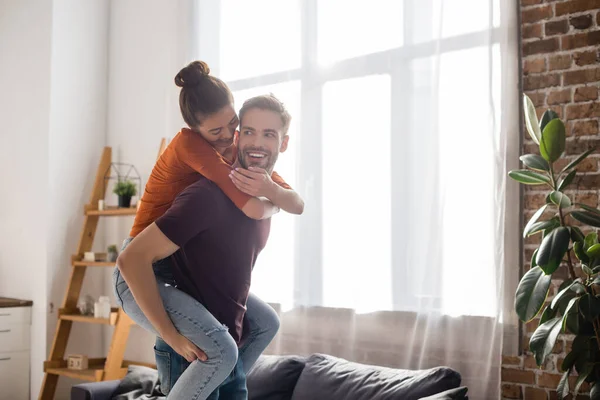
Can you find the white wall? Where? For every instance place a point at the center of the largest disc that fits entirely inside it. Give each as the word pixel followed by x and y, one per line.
pixel 146 50
pixel 79 77
pixel 25 43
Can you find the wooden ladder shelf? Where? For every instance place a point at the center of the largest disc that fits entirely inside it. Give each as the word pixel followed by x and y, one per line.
pixel 99 369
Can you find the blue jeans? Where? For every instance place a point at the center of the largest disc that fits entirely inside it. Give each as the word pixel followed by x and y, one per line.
pixel 200 379
pixel 263 325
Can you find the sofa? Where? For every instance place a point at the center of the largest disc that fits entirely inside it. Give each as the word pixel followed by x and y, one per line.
pixel 318 376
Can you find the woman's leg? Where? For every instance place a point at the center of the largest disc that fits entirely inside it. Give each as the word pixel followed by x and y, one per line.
pixel 194 322
pixel 263 325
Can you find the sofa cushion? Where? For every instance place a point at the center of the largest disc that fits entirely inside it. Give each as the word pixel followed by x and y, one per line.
pixel 327 377
pixel 274 377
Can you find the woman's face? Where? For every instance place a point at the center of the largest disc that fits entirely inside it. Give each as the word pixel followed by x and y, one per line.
pixel 219 128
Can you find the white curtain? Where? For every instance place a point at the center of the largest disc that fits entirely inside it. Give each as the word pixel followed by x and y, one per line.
pixel 402 112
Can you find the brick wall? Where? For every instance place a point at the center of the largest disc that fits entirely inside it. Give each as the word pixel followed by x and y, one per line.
pixel 561 71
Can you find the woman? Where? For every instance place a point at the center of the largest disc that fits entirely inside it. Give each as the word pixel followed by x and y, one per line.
pixel 207 107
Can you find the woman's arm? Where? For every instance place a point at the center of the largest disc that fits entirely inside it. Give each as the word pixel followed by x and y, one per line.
pixel 195 152
pixel 257 182
pixel 135 264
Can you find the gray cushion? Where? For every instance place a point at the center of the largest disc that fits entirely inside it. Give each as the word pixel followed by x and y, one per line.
pixel 331 378
pixel 274 377
pixel 452 394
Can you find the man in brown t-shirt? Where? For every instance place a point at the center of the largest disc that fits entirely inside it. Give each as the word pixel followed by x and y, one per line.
pixel 213 245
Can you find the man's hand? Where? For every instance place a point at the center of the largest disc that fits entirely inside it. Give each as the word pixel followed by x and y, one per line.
pixel 254 181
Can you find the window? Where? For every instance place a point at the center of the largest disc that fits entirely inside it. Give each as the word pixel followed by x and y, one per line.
pixel 379 92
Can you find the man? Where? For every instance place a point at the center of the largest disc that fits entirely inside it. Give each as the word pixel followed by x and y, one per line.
pixel 214 247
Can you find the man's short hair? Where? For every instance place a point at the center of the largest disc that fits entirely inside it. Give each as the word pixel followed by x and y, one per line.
pixel 271 103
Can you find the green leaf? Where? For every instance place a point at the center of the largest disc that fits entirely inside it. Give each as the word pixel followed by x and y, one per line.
pixel 590 240
pixel 576 161
pixel 531 293
pixel 536 162
pixel 588 208
pixel 562 292
pixel 553 248
pixel 562 390
pixel 543 226
pixel 548 314
pixel 534 219
pixel 587 218
pixel 588 271
pixel 577 235
pixel 580 253
pixel 548 116
pixel 567 180
pixel 553 141
pixel 531 120
pixel 595 391
pixel 560 199
pixel 593 251
pixel 569 361
pixel 589 306
pixel 534 258
pixel 529 177
pixel 544 338
pixel 582 377
pixel 596 280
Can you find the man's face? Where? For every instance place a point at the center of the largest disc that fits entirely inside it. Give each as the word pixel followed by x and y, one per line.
pixel 261 139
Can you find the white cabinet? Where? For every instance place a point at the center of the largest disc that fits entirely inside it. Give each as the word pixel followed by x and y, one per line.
pixel 14 352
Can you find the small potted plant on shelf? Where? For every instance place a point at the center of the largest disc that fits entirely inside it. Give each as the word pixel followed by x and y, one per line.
pixel 125 189
pixel 112 253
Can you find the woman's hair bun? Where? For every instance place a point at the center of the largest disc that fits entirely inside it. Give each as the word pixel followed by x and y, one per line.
pixel 192 74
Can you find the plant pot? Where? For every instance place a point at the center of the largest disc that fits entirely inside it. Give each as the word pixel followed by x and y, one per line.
pixel 124 201
pixel 112 256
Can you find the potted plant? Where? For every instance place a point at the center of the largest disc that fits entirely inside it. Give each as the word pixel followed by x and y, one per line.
pixel 575 309
pixel 125 189
pixel 112 253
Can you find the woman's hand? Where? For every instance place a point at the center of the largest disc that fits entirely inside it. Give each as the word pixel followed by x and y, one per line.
pixel 254 181
pixel 184 347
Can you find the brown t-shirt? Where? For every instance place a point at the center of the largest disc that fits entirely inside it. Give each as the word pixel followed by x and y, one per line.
pixel 218 248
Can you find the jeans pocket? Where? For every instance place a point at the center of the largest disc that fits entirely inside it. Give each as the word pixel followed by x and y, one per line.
pixel 163 364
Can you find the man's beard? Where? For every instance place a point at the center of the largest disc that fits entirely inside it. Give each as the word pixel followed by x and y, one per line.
pixel 266 163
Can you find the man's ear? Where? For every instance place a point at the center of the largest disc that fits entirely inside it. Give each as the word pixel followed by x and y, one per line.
pixel 284 144
pixel 236 137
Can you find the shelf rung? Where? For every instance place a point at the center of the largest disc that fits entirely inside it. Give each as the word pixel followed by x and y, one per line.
pixel 72 315
pixel 93 374
pixel 112 212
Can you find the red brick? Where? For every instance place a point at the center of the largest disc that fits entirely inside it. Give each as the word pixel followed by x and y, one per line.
pixel 534 201
pixel 535 394
pixel 562 61
pixel 531 326
pixel 569 42
pixel 581 76
pixel 573 6
pixel 590 199
pixel 586 57
pixel 530 15
pixel 586 93
pixel 581 22
pixel 598 19
pixel 517 376
pixel 537 98
pixel 511 360
pixel 556 27
pixel 529 363
pixel 532 31
pixel 587 182
pixel 541 46
pixel 512 391
pixel 584 128
pixel 533 82
pixel 525 3
pixel 581 111
pixel 534 66
pixel 580 145
pixel 547 380
pixel 559 96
